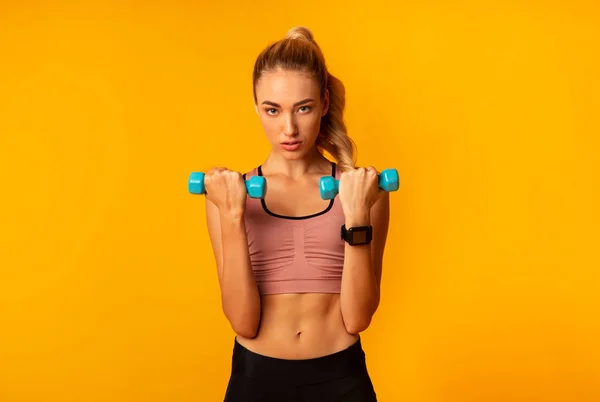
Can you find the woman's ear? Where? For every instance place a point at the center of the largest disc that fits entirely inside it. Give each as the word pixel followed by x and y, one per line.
pixel 325 103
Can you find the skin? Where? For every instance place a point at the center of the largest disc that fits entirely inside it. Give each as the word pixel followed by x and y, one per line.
pixel 296 326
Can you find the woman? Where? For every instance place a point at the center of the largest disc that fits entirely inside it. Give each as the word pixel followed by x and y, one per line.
pixel 296 294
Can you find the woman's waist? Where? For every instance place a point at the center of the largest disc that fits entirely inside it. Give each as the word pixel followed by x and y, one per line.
pixel 307 343
pixel 300 326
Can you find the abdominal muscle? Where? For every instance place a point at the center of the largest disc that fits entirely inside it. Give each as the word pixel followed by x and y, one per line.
pixel 300 326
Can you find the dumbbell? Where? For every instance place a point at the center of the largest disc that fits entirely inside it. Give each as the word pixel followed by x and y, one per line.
pixel 329 186
pixel 255 185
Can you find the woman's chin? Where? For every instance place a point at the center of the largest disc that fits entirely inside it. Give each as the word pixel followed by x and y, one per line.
pixel 292 155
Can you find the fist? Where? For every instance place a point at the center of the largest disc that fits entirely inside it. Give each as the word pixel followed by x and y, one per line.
pixel 359 191
pixel 227 190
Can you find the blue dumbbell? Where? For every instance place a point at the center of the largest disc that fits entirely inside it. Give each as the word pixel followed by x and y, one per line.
pixel 255 185
pixel 329 186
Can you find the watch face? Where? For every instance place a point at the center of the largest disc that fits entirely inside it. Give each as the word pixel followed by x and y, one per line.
pixel 359 236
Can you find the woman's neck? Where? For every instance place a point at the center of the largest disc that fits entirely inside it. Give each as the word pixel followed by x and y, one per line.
pixel 312 162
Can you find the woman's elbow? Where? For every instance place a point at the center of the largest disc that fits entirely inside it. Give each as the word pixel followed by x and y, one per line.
pixel 245 325
pixel 360 319
pixel 356 326
pixel 245 331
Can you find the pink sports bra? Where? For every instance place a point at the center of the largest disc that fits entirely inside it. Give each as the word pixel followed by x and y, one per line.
pixel 295 254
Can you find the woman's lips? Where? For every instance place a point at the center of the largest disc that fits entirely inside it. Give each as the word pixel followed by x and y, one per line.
pixel 291 145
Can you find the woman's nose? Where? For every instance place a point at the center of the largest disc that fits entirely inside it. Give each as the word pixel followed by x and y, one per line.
pixel 289 128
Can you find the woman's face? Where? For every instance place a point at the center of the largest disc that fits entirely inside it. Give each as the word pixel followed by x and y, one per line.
pixel 290 110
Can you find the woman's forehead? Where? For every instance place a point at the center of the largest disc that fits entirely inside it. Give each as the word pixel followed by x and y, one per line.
pixel 286 86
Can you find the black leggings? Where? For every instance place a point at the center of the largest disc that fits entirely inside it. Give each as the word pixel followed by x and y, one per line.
pixel 339 377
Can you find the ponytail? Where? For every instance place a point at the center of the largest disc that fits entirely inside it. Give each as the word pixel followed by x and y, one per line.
pixel 333 137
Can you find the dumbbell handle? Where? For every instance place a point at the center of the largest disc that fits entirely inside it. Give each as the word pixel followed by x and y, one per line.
pixel 255 186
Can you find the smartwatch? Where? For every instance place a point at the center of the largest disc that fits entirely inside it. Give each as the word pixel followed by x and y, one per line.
pixel 357 235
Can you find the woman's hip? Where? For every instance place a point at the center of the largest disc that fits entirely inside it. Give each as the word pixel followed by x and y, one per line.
pixel 339 376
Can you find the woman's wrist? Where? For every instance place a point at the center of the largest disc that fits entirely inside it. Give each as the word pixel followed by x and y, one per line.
pixel 231 217
pixel 358 218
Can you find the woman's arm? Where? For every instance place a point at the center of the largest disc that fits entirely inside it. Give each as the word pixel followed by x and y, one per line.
pixel 361 278
pixel 240 299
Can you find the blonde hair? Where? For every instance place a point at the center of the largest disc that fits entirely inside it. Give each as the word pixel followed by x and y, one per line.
pixel 299 51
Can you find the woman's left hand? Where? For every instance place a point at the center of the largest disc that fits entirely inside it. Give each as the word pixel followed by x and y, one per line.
pixel 359 191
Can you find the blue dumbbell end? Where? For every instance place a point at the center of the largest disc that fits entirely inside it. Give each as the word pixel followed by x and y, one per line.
pixel 328 187
pixel 389 180
pixel 196 183
pixel 256 187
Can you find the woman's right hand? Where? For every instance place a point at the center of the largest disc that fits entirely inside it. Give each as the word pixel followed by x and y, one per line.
pixel 227 190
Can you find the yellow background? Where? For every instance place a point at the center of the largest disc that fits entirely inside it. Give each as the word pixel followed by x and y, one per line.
pixel 489 110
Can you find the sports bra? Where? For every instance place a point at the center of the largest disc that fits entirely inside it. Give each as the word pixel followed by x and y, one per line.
pixel 291 254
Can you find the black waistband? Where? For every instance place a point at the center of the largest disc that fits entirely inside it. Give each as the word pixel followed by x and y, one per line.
pixel 341 364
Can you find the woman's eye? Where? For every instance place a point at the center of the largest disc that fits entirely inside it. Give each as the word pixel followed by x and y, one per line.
pixel 302 109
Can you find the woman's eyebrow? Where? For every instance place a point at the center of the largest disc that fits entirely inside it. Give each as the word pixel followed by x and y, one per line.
pixel 295 104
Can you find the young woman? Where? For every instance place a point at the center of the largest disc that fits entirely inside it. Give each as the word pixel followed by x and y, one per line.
pixel 296 286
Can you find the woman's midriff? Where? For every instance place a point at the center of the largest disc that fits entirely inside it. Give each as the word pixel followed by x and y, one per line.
pixel 300 326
